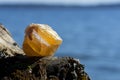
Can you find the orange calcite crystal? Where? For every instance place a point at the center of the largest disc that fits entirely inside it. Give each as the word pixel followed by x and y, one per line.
pixel 40 40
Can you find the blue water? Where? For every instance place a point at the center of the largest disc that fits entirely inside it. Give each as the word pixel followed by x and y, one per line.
pixel 90 34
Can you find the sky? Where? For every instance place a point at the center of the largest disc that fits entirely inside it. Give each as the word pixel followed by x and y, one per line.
pixel 66 2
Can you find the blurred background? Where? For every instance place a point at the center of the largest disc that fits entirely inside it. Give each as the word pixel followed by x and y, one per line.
pixel 90 29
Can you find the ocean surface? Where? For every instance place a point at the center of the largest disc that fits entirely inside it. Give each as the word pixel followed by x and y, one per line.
pixel 90 34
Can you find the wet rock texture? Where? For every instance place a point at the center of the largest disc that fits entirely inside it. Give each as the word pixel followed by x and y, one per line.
pixel 22 67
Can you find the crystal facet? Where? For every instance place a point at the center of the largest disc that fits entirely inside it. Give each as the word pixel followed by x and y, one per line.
pixel 40 40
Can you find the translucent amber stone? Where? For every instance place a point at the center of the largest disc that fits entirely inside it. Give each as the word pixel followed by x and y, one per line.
pixel 40 40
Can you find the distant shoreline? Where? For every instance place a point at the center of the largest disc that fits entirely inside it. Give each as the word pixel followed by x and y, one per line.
pixel 60 6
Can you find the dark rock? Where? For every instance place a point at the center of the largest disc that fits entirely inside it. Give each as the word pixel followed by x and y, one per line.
pixel 21 67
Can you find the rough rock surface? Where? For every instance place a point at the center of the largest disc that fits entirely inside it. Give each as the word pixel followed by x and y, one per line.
pixel 8 46
pixel 21 67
